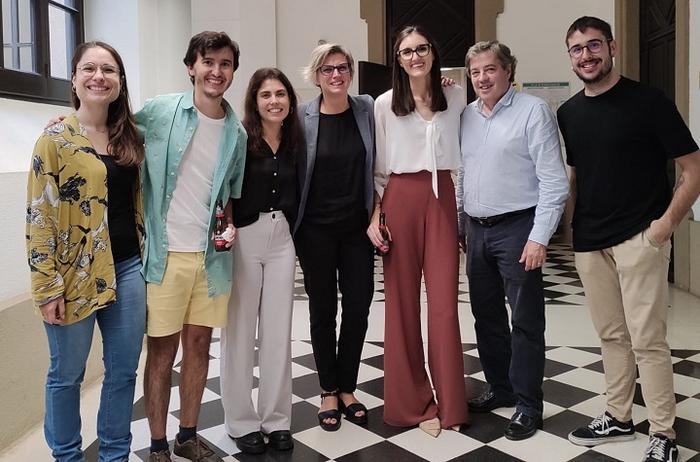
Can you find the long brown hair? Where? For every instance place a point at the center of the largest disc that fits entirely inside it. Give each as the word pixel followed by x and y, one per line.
pixel 402 102
pixel 292 135
pixel 125 141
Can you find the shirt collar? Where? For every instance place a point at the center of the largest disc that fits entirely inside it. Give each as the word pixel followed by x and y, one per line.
pixel 188 103
pixel 188 100
pixel 506 100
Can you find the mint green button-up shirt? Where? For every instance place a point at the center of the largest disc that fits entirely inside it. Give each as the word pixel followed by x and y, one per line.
pixel 168 123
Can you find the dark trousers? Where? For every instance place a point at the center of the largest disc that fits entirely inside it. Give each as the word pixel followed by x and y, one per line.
pixel 337 257
pixel 513 361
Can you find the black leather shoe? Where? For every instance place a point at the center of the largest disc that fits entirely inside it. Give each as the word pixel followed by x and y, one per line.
pixel 522 426
pixel 252 443
pixel 488 401
pixel 281 440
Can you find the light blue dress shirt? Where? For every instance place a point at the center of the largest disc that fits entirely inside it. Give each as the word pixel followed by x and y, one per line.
pixel 511 160
pixel 168 123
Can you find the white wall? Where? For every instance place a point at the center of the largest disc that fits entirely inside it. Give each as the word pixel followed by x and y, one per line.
pixel 151 36
pixel 535 31
pixel 165 28
pixel 302 23
pixel 281 33
pixel 252 25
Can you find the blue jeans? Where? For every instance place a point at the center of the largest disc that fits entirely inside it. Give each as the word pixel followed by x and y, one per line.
pixel 122 325
pixel 512 359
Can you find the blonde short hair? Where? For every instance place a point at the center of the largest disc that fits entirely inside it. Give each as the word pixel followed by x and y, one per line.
pixel 319 55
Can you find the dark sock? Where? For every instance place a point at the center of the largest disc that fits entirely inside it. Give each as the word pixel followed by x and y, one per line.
pixel 159 445
pixel 186 433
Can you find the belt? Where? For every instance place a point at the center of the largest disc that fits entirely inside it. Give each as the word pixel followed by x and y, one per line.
pixel 496 219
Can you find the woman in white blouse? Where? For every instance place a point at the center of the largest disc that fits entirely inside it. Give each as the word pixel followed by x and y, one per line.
pixel 417 142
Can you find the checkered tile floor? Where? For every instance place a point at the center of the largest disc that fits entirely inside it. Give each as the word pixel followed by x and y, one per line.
pixel 573 392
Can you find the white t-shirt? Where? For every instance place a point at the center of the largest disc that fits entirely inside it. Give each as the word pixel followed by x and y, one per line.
pixel 187 223
pixel 409 143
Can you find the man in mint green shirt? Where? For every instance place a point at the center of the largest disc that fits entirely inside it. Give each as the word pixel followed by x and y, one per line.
pixel 195 154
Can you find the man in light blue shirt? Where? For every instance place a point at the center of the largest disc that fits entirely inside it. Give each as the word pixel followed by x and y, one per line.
pixel 514 191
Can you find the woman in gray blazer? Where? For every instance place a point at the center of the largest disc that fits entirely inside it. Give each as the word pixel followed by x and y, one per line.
pixel 336 201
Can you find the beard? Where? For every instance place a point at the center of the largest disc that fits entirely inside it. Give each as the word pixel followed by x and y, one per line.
pixel 605 70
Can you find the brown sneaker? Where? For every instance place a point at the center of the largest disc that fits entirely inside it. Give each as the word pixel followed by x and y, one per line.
pixel 196 450
pixel 160 456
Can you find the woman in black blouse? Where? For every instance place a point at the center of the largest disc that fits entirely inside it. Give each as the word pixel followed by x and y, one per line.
pixel 336 201
pixel 263 275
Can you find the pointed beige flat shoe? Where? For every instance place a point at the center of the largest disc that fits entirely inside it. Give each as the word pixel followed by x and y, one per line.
pixel 431 427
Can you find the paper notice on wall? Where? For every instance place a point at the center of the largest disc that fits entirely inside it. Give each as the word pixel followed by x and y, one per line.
pixel 554 93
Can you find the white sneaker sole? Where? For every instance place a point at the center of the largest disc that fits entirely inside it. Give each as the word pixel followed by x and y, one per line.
pixel 589 442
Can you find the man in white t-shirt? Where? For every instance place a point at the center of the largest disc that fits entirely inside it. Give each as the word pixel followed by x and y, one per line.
pixel 195 154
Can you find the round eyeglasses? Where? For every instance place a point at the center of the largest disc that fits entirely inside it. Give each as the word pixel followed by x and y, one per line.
pixel 90 69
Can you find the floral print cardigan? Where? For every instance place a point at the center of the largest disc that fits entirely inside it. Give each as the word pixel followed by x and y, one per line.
pixel 67 232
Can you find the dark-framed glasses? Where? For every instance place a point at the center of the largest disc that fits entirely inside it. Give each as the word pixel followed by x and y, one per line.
pixel 421 50
pixel 327 69
pixel 90 69
pixel 594 46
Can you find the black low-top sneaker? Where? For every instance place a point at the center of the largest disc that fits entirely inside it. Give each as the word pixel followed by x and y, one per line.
pixel 603 429
pixel 661 449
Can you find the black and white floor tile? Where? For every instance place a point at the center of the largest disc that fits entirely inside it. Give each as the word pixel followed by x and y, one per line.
pixel 573 391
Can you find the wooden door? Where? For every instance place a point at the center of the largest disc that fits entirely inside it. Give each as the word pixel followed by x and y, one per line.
pixel 450 22
pixel 657 58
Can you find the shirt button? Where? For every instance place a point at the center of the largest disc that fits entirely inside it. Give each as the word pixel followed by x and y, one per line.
pixel 274 174
pixel 273 191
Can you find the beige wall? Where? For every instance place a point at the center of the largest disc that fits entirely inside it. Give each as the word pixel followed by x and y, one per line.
pixel 692 13
pixel 24 362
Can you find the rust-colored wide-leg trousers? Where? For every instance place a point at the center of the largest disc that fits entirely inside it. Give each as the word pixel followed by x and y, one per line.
pixel 424 241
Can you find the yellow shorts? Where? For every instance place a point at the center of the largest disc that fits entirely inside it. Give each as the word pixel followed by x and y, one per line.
pixel 182 297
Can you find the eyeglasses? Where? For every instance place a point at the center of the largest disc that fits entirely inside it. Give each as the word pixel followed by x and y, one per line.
pixel 327 69
pixel 594 46
pixel 90 69
pixel 421 50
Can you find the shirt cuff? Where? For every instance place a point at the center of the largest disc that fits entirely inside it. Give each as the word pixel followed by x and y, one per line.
pixel 541 234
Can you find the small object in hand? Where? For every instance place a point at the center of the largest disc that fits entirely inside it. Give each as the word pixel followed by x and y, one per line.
pixel 384 248
pixel 229 234
pixel 219 240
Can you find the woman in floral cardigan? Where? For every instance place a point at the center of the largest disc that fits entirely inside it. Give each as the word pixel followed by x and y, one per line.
pixel 84 234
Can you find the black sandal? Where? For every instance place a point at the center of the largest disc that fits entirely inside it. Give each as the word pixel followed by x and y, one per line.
pixel 329 414
pixel 351 410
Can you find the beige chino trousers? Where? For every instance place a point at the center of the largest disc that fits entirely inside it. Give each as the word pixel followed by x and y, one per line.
pixel 627 291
